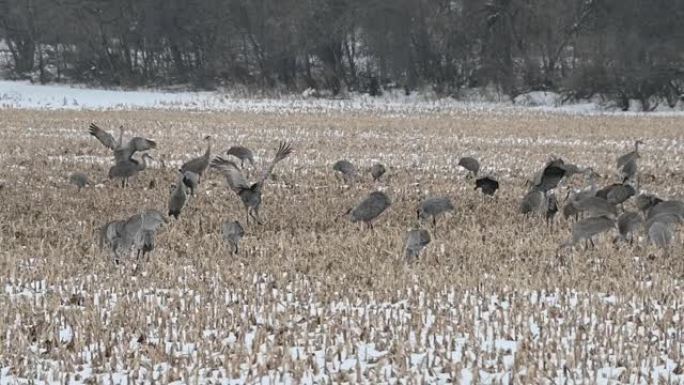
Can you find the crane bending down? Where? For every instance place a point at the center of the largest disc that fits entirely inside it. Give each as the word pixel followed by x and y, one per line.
pixel 249 194
pixel 200 164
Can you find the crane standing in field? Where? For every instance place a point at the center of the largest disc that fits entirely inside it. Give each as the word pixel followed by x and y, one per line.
pixel 487 185
pixel 470 164
pixel 433 207
pixel 249 194
pixel 588 228
pixel 232 232
pixel 128 168
pixel 370 208
pixel 178 197
pixel 377 170
pixel 80 180
pixel 125 166
pixel 346 169
pixel 200 164
pixel 416 240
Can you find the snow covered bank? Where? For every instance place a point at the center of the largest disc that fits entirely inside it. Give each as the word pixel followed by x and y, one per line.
pixel 24 95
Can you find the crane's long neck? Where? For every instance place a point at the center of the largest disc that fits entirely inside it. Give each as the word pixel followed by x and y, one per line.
pixel 121 133
pixel 207 153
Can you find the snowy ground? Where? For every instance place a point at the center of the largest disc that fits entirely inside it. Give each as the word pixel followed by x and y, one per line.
pixel 23 94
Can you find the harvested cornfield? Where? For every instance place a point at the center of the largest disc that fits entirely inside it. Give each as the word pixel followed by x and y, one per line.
pixel 312 297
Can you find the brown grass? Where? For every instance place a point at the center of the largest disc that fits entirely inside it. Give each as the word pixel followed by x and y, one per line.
pixel 296 271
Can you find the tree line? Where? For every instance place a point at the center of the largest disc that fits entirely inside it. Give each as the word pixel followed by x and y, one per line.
pixel 623 49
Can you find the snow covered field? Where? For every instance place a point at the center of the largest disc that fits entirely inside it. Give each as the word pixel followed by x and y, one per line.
pixel 16 94
pixel 313 298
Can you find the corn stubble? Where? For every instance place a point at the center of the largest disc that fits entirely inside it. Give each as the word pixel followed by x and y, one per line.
pixel 311 296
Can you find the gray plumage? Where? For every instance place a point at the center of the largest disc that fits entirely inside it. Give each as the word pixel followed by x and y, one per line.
pixel 551 208
pixel 416 240
pixel 79 179
pixel 191 181
pixel 620 194
pixel 587 228
pixel 433 207
pixel 242 153
pixel 570 210
pixel 200 164
pixel 628 223
pixel 250 195
pixel 128 168
pixel 347 169
pixel 531 202
pixel 470 164
pixel 629 171
pixel 645 202
pixel 370 208
pixel 550 176
pixel 232 233
pixel 630 156
pixel 136 233
pixel 660 234
pixel 595 206
pixel 377 170
pixel 674 207
pixel 178 198
pixel 121 151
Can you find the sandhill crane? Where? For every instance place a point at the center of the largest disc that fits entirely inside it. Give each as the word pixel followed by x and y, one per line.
pixel 370 208
pixel 629 171
pixel 588 228
pixel 616 193
pixel 628 223
pixel 242 153
pixel 127 168
pixel 433 207
pixel 487 185
pixel 177 198
pixel 137 232
pixel 572 197
pixel 346 169
pixel 191 180
pixel 416 240
pixel 550 176
pixel 660 234
pixel 121 151
pixel 630 156
pixel 470 164
pixel 532 202
pixel 644 202
pixel 595 206
pixel 80 180
pixel 200 164
pixel 674 207
pixel 377 170
pixel 232 233
pixel 249 194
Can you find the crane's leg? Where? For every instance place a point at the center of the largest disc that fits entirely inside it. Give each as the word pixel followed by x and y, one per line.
pixel 247 209
pixel 236 248
pixel 593 246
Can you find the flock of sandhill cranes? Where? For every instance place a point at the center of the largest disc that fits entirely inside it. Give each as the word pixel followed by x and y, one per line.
pixel 601 210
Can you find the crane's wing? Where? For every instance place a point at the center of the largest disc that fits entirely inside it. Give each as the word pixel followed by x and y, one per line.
pixel 134 145
pixel 284 149
pixel 232 173
pixel 141 144
pixel 242 153
pixel 103 136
